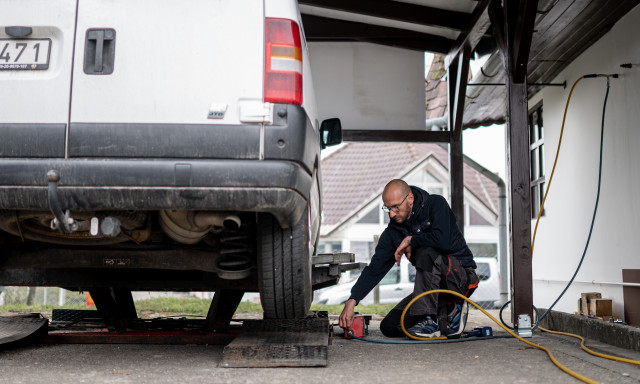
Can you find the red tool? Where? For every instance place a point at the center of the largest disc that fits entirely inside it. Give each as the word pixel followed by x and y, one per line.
pixel 360 326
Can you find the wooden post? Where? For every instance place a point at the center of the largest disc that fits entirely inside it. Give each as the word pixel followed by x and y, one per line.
pixel 513 28
pixel 520 202
pixel 456 181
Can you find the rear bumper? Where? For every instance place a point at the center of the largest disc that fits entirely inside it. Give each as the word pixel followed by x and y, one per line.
pixel 123 166
pixel 279 187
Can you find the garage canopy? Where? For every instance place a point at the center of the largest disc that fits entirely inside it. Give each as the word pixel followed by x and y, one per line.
pixel 563 29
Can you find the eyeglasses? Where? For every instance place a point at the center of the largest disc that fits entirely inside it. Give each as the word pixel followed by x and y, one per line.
pixel 395 208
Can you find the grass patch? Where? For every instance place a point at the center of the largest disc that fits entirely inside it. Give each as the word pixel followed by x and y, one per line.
pixel 23 308
pixel 189 305
pixel 194 306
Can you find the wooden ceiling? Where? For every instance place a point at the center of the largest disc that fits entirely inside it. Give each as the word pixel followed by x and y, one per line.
pixel 433 26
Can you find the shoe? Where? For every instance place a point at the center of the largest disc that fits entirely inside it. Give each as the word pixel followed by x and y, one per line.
pixel 457 318
pixel 426 327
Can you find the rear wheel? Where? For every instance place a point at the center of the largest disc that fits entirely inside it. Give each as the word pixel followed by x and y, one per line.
pixel 285 268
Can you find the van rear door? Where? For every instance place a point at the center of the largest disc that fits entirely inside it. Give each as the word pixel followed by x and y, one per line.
pixel 167 62
pixel 36 51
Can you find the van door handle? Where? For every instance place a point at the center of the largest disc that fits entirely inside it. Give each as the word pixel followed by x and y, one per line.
pixel 99 51
pixel 398 289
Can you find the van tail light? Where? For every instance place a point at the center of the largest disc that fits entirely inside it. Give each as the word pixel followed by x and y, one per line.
pixel 283 62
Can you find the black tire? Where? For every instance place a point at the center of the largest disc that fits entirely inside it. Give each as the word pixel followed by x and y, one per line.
pixel 284 268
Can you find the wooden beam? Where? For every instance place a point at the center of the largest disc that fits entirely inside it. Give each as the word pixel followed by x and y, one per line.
pixel 522 38
pixel 396 136
pixel 452 89
pixel 496 16
pixel 458 75
pixel 326 29
pixel 462 78
pixel 394 10
pixel 472 34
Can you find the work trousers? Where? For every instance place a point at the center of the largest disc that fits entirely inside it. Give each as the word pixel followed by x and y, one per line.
pixel 433 271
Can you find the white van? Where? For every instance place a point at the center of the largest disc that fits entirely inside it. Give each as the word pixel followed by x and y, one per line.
pixel 398 283
pixel 168 145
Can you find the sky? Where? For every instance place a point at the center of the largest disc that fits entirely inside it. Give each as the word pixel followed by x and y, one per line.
pixel 486 145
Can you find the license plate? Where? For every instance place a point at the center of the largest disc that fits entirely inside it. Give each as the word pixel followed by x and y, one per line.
pixel 24 54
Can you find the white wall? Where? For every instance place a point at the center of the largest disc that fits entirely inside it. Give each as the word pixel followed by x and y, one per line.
pixel 369 86
pixel 563 232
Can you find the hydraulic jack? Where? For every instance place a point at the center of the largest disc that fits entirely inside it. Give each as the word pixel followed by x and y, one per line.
pixel 359 327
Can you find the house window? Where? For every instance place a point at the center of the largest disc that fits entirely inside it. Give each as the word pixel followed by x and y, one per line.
pixel 536 152
pixel 434 184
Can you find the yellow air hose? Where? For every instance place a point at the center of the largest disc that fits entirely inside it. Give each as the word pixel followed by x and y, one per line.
pixel 553 359
pixel 564 118
pixel 582 344
pixel 590 351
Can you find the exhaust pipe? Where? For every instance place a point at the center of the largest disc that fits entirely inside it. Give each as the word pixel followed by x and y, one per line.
pixel 190 227
pixel 217 219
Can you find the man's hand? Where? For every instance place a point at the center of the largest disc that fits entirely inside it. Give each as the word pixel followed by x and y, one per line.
pixel 346 317
pixel 403 249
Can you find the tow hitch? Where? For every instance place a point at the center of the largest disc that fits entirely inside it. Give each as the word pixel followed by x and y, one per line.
pixel 62 222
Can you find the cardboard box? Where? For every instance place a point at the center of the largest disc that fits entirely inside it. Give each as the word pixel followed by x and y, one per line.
pixel 600 307
pixel 585 301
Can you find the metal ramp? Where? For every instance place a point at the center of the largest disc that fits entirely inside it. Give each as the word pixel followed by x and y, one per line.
pixel 279 343
pixel 21 329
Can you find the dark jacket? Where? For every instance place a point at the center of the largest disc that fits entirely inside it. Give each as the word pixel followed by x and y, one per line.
pixel 431 224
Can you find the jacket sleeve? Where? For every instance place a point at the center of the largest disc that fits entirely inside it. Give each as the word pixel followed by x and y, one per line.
pixel 381 262
pixel 438 235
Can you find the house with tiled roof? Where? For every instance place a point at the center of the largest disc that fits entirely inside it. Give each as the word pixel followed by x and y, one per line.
pixel 355 175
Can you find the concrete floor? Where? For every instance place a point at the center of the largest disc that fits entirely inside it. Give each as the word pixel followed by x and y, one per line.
pixel 487 361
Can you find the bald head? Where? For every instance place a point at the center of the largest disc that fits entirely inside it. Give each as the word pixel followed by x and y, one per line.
pixel 397 186
pixel 398 198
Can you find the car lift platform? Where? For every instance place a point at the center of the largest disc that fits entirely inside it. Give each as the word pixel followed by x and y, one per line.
pixel 255 343
pixel 248 343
